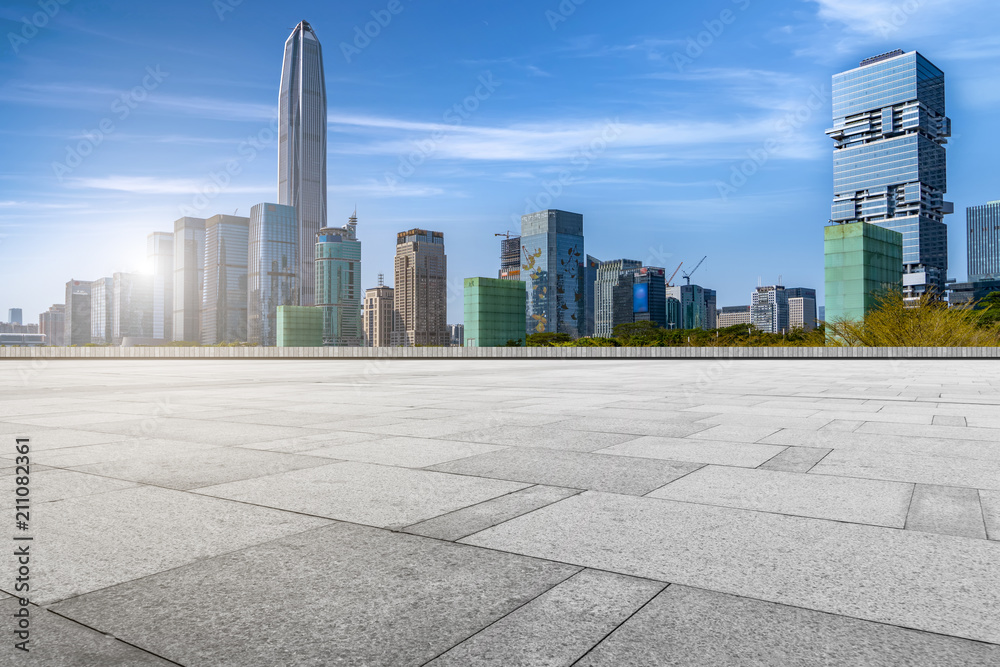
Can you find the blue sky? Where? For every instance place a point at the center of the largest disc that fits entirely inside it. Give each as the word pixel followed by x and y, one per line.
pixel 634 117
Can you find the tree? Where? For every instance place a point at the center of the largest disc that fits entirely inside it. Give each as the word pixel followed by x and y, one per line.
pixel 989 310
pixel 638 334
pixel 548 339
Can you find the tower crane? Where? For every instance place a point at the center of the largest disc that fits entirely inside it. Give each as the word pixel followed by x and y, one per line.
pixel 687 276
pixel 671 278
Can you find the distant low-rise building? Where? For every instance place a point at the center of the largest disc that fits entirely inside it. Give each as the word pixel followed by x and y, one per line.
pixel 52 325
pixel 730 316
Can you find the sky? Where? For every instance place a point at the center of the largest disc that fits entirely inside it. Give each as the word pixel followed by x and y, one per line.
pixel 118 117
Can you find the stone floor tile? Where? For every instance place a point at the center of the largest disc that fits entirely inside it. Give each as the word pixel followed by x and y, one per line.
pixel 121 450
pixel 935 470
pixel 949 420
pixel 545 436
pixel 916 580
pixel 406 452
pixel 576 470
pixel 464 522
pixel 49 485
pixel 634 426
pixel 747 432
pixel 342 595
pixel 865 501
pixel 796 459
pixel 696 451
pixel 946 510
pixel 688 627
pixel 558 627
pixel 991 512
pixel 364 493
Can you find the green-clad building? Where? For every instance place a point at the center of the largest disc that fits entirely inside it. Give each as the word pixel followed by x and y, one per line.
pixel 494 311
pixel 862 259
pixel 300 326
pixel 338 284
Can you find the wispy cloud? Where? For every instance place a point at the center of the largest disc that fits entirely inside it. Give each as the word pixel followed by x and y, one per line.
pixel 150 185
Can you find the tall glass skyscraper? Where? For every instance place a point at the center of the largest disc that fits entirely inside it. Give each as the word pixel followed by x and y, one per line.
pixel 272 266
pixel 889 164
pixel 189 278
pixel 224 302
pixel 160 251
pixel 983 226
pixel 302 146
pixel 338 284
pixel 553 272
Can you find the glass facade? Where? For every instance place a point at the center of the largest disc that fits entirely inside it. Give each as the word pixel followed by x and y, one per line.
pixel 189 278
pixel 302 146
pixel 983 227
pixel 160 251
pixel 553 272
pixel 861 261
pixel 102 300
pixel 272 265
pixel 338 284
pixel 696 307
pixel 300 326
pixel 77 315
pixel 224 303
pixel 769 309
pixel 890 167
pixel 494 311
pixel 606 278
pixel 132 307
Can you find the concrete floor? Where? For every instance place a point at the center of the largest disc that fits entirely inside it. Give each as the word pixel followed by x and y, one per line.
pixel 506 512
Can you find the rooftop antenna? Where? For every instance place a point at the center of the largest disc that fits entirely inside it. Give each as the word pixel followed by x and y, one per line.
pixel 381 280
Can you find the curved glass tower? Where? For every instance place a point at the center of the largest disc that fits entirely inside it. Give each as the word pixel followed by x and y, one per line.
pixel 302 146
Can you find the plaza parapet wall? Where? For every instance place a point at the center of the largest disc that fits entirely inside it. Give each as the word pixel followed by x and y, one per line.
pixel 40 354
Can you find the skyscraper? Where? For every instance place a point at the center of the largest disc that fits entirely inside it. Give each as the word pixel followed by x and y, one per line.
pixel 102 303
pixel 189 278
pixel 379 315
pixel 510 258
pixel 224 304
pixel 769 309
pixel 553 272
pixel 77 320
pixel 338 284
pixel 590 295
pixel 801 308
pixel 132 307
pixel 697 306
pixel 272 270
pixel 607 275
pixel 421 294
pixel 302 146
pixel 14 316
pixel 52 324
pixel 983 227
pixel 160 251
pixel 889 161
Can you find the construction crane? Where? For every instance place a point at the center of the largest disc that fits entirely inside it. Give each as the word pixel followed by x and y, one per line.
pixel 671 278
pixel 687 276
pixel 507 234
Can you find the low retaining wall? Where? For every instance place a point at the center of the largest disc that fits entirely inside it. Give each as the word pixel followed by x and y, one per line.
pixel 499 353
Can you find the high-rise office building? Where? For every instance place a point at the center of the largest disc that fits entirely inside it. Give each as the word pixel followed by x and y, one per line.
pixel 730 316
pixel 861 261
pixel 224 304
pixel 889 160
pixel 421 294
pixel 52 324
pixel 102 302
pixel 456 335
pixel 132 307
pixel 590 266
pixel 189 278
pixel 983 228
pixel 160 251
pixel 641 296
pixel 272 270
pixel 302 146
pixel 769 309
pixel 553 272
pixel 14 316
pixel 494 312
pixel 606 278
pixel 338 284
pixel 801 308
pixel 379 315
pixel 510 258
pixel 697 306
pixel 77 320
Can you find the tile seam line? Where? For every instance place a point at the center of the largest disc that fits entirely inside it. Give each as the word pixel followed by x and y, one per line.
pixel 460 509
pixel 500 618
pixel 615 629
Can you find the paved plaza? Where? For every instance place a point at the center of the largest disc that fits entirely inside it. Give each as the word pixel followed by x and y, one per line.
pixel 525 512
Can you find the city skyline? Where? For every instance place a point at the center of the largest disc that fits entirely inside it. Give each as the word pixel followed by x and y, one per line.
pixel 386 109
